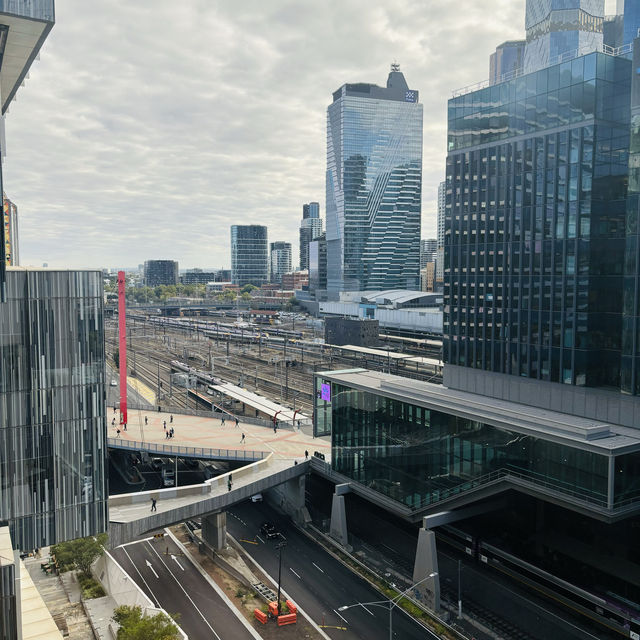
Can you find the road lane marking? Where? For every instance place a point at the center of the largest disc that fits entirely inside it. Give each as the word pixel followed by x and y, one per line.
pixel 294 573
pixel 259 538
pixel 177 561
pixel 318 568
pixel 367 610
pixel 152 569
pixel 186 594
pixel 133 564
pixel 248 541
pixel 339 616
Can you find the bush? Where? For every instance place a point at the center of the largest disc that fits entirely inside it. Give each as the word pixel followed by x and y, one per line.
pixel 136 626
pixel 90 587
pixel 79 554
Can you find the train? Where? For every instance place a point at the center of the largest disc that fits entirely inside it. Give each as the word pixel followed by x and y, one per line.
pixel 611 611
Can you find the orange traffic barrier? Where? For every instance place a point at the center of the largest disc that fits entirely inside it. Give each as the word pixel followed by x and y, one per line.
pixel 273 608
pixel 290 618
pixel 261 616
pixel 292 607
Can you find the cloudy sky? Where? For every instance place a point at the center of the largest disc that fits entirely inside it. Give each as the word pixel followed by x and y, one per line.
pixel 147 128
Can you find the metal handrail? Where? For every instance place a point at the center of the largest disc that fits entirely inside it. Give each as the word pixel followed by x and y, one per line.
pixel 193 452
pixel 563 57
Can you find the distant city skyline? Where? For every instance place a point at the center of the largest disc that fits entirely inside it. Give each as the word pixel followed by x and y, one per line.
pixel 184 144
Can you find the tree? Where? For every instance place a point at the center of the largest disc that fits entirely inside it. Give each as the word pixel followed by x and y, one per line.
pixel 136 626
pixel 248 288
pixel 246 297
pixel 79 554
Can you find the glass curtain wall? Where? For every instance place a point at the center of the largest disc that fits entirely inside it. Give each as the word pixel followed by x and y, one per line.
pixel 419 456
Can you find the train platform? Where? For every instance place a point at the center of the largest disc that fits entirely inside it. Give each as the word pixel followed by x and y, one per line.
pixel 209 432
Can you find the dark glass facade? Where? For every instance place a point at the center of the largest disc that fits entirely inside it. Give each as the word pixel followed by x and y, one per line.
pixel 53 483
pixel 420 456
pixel 535 223
pixel 631 20
pixel 159 272
pixel 249 255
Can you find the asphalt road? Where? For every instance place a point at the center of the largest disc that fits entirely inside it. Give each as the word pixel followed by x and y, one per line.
pixel 176 585
pixel 319 583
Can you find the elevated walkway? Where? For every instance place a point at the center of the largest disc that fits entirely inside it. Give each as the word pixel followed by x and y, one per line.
pixel 130 514
pixel 201 453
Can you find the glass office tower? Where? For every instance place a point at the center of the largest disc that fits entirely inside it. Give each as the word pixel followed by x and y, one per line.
pixel 249 255
pixel 374 183
pixel 507 60
pixel 561 27
pixel 53 484
pixel 310 228
pixel 535 233
pixel 631 20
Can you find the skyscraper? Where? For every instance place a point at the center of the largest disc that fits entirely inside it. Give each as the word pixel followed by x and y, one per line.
pixel 10 221
pixel 159 272
pixel 249 255
pixel 440 232
pixel 558 27
pixel 374 182
pixel 280 260
pixel 428 251
pixel 631 12
pixel 507 59
pixel 310 228
pixel 318 264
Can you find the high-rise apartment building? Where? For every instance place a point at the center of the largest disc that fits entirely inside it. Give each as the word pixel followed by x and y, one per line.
pixel 631 19
pixel 158 272
pixel 318 264
pixel 310 228
pixel 561 27
pixel 249 255
pixel 10 221
pixel 507 60
pixel 428 251
pixel 374 182
pixel 442 192
pixel 280 260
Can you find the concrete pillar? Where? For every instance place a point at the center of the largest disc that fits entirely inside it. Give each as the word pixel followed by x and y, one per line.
pixel 289 497
pixel 338 529
pixel 214 529
pixel 426 563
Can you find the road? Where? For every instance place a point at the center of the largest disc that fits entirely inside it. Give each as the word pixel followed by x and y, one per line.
pixel 317 582
pixel 174 584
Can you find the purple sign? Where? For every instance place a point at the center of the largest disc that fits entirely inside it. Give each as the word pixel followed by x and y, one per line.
pixel 325 393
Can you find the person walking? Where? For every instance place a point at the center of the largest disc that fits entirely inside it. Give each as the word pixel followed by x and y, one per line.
pixel 170 418
pixel 145 421
pixel 153 504
pixel 117 433
pixel 229 483
pixel 124 425
pixel 222 421
pixel 164 424
pixel 166 434
pixel 113 422
pixel 242 439
pixel 237 422
pixel 306 454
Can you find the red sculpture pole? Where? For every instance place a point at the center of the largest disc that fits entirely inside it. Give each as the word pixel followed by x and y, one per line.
pixel 122 354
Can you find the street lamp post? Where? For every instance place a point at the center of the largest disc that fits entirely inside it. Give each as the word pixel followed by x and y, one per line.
pixel 390 603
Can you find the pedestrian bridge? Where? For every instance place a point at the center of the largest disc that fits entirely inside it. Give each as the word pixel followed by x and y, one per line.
pixel 130 514
pixel 201 453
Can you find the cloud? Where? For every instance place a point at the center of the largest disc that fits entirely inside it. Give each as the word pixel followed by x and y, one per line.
pixel 148 128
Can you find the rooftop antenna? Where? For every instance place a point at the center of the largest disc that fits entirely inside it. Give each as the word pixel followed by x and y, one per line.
pixel 395 66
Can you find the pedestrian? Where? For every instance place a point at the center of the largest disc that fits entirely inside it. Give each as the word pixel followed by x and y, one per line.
pixel 275 429
pixel 229 483
pixel 306 454
pixel 164 424
pixel 117 433
pixel 242 439
pixel 153 504
pixel 237 422
pixel 113 422
pixel 171 418
pixel 166 434
pixel 222 421
pixel 114 409
pixel 145 421
pixel 125 426
pixel 298 424
pixel 171 432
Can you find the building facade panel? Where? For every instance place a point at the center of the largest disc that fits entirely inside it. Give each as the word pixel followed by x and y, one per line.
pixel 161 272
pixel 534 247
pixel 52 399
pixel 249 255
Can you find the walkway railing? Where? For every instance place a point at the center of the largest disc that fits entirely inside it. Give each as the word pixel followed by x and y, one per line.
pixel 201 453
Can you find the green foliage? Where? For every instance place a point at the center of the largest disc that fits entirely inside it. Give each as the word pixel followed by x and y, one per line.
pixel 246 297
pixel 248 288
pixel 91 588
pixel 135 626
pixel 161 293
pixel 79 554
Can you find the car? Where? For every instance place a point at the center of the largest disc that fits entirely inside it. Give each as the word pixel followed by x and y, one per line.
pixel 256 498
pixel 114 383
pixel 268 530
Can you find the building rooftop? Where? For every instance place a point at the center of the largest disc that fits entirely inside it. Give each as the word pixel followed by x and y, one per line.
pixel 582 433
